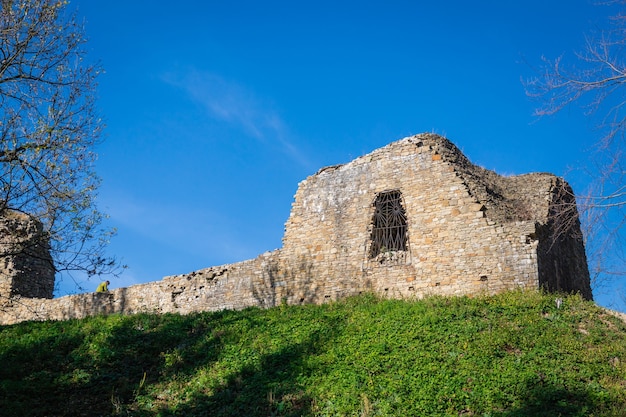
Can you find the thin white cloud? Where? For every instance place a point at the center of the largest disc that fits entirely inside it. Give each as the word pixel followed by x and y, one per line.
pixel 231 102
pixel 226 101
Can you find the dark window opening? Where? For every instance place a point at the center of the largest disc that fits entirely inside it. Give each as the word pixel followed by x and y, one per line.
pixel 389 231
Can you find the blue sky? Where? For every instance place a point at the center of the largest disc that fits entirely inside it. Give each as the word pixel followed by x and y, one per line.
pixel 215 111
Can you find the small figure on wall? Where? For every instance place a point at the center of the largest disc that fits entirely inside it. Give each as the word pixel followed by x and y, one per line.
pixel 103 287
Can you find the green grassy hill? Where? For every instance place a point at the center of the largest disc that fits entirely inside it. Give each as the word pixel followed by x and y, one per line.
pixel 514 354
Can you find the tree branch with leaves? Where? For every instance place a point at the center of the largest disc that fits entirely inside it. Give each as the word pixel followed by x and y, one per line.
pixel 49 129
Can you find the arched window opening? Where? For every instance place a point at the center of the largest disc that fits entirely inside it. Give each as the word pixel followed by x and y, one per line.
pixel 389 240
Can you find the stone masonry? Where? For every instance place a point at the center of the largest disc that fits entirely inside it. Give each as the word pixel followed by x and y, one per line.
pixel 411 219
pixel 26 267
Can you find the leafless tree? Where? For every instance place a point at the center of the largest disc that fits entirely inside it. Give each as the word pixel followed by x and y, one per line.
pixel 48 130
pixel 596 80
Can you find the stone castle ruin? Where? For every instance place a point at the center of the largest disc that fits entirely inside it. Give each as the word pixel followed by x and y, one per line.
pixel 411 219
pixel 26 267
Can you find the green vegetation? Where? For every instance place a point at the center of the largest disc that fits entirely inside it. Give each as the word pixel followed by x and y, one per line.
pixel 515 354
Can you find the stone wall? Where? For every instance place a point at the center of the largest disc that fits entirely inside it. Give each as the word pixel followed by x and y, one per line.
pixel 211 289
pixel 410 219
pixel 470 230
pixel 26 266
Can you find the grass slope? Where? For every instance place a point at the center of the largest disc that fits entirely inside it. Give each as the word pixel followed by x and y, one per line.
pixel 514 354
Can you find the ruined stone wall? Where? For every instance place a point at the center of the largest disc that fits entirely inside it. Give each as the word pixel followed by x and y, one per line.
pixel 256 282
pixel 457 244
pixel 26 266
pixel 463 230
pixel 561 259
pixel 211 289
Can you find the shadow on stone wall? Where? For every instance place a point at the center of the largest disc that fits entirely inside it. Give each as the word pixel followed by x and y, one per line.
pixel 292 283
pixel 561 257
pixel 93 304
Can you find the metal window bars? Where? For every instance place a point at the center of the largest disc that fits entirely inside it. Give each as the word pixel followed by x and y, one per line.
pixel 389 239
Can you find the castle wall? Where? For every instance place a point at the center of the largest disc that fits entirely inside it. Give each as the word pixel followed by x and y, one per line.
pixel 234 286
pixel 462 230
pixel 454 246
pixel 26 267
pixel 561 259
pixel 265 281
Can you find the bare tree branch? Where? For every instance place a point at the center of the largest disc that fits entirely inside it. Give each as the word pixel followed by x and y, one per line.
pixel 49 128
pixel 596 81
